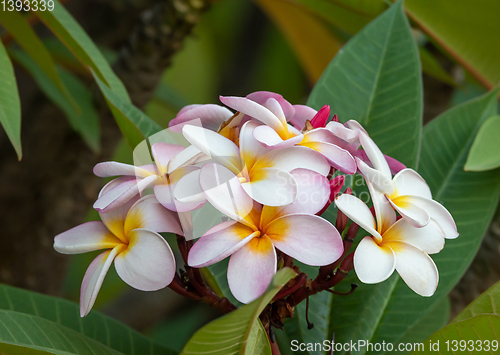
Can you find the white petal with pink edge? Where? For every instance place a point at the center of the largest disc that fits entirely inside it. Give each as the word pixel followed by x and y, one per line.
pixel 373 263
pixel 439 214
pixel 379 180
pixel 113 168
pixel 219 242
pixel 270 139
pixel 94 276
pixel 302 114
pixel 358 212
pixel 374 154
pixel 271 187
pixel 86 237
pixel 223 189
pixel 416 268
pixel 190 155
pixel 342 131
pixel 250 148
pixel 310 239
pixel 292 158
pixel 339 158
pixel 163 153
pixel 148 263
pixel 251 269
pixel 262 96
pixel 429 239
pixel 409 182
pixel 211 116
pixel 148 213
pixel 415 215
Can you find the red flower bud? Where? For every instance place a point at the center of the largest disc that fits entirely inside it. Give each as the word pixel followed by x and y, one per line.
pixel 320 119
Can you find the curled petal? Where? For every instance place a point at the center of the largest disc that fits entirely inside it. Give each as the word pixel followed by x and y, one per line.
pixel 342 132
pixel 270 139
pixel 148 263
pixel 310 239
pixel 409 182
pixel 271 187
pixel 415 215
pixel 429 239
pixel 358 212
pixel 373 263
pixel 211 116
pixel 250 148
pixel 261 97
pixel 148 213
pixel 374 154
pixel 219 242
pixel 379 180
pixel 384 212
pixel 251 269
pixel 439 214
pixel 86 237
pixel 94 276
pixel 416 268
pixel 339 158
pixel 190 155
pixel 113 168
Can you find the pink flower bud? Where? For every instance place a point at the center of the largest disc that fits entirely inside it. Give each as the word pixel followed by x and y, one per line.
pixel 320 119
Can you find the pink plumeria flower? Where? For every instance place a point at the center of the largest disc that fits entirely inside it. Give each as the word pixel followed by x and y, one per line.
pixel 251 238
pixel 277 133
pixel 171 163
pixel 143 259
pixel 261 172
pixel 393 245
pixel 210 116
pixel 407 192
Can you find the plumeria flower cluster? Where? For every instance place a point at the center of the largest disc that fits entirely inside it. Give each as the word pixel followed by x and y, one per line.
pixel 271 168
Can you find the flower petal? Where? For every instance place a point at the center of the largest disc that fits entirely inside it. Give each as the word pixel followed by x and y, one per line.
pixel 373 263
pixel 310 239
pixel 148 263
pixel 416 268
pixel 188 189
pixel 94 276
pixel 292 158
pixel 163 153
pixel 122 193
pixel 439 214
pixel 261 97
pixel 271 187
pixel 224 191
pixel 415 215
pixel 376 157
pixel 211 117
pixel 339 158
pixel 302 114
pixel 251 269
pixel 250 148
pixel 379 180
pixel 358 212
pixel 409 182
pixel 255 110
pixel 343 132
pixel 148 213
pixel 215 146
pixel 429 238
pixel 190 155
pixel 218 243
pixel 113 168
pixel 86 237
pixel 270 139
pixel 384 212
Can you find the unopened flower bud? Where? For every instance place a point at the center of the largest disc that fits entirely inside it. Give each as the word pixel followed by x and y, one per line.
pixel 320 119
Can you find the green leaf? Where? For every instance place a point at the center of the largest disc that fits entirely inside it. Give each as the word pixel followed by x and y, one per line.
pixel 475 334
pixel 10 107
pixel 64 26
pixel 431 67
pixel 390 310
pixel 376 80
pixel 219 274
pixel 241 330
pixel 134 124
pixel 485 151
pixel 488 302
pixel 86 120
pixel 19 28
pixel 466 29
pixel 58 314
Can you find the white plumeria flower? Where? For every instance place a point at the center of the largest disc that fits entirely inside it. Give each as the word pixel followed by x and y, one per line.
pixel 251 238
pixel 143 259
pixel 393 245
pixel 407 192
pixel 262 173
pixel 172 162
pixel 277 133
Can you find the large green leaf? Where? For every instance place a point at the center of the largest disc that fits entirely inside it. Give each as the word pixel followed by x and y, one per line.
pixel 376 80
pixel 19 28
pixel 239 331
pixel 468 30
pixel 134 124
pixel 391 311
pixel 485 151
pixel 86 119
pixel 488 302
pixel 10 107
pixel 477 335
pixel 65 27
pixel 61 315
